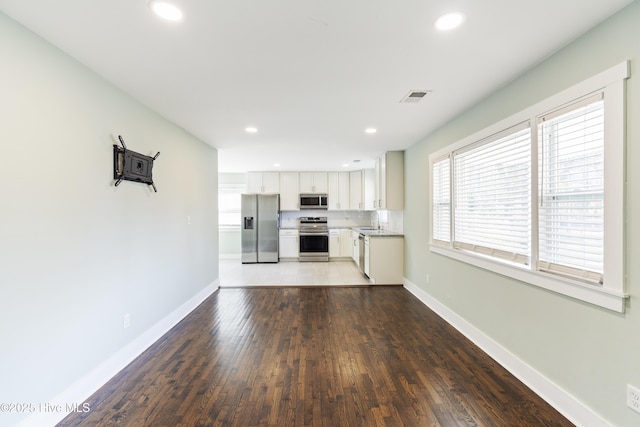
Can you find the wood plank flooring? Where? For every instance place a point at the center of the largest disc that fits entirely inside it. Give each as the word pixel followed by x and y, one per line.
pixel 361 356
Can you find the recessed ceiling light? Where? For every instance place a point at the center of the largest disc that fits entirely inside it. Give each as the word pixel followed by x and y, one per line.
pixel 370 131
pixel 345 165
pixel 251 129
pixel 277 165
pixel 166 10
pixel 449 21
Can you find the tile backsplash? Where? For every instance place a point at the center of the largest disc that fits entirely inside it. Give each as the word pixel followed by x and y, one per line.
pixel 335 219
pixel 388 220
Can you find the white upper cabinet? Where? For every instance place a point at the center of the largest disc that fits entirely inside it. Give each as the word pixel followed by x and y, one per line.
pixel 362 189
pixel 313 182
pixel 381 166
pixel 369 189
pixel 338 190
pixel 356 193
pixel 389 181
pixel 254 182
pixel 289 197
pixel 263 182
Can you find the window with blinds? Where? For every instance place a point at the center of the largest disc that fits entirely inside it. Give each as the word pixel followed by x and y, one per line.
pixel 229 205
pixel 481 200
pixel 441 200
pixel 571 190
pixel 492 196
pixel 540 196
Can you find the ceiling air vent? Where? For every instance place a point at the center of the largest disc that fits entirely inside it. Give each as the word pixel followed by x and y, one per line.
pixel 414 96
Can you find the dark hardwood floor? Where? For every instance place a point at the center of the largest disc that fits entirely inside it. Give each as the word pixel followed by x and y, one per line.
pixel 369 356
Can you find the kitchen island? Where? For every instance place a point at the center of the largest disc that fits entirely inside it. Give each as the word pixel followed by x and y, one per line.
pixel 381 255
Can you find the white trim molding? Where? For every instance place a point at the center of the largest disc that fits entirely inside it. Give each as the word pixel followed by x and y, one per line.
pixel 574 410
pixel 608 299
pixel 82 389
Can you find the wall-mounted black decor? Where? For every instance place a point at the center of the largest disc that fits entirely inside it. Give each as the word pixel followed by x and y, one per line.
pixel 132 166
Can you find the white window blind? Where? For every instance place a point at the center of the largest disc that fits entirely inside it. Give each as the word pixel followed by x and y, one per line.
pixel 492 196
pixel 229 205
pixel 441 200
pixel 571 190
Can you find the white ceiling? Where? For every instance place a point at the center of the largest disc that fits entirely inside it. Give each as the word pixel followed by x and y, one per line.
pixel 311 75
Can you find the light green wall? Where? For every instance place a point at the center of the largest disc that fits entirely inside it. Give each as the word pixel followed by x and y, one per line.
pixel 588 351
pixel 76 253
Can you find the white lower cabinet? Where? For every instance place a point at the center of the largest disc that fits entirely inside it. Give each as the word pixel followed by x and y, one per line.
pixel 334 243
pixel 384 259
pixel 355 250
pixel 289 245
pixel 345 243
pixel 340 243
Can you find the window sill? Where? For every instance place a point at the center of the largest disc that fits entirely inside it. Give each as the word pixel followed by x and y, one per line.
pixel 575 289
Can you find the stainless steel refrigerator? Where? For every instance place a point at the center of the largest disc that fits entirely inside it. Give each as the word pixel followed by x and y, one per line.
pixel 260 221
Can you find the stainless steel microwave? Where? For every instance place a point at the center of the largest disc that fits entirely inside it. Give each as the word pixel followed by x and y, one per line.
pixel 313 201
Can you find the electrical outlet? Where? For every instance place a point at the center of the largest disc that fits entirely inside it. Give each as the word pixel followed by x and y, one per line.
pixel 125 321
pixel 633 398
pixel 428 279
pixel 188 219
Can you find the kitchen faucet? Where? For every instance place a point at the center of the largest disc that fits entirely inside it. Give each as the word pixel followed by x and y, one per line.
pixel 377 222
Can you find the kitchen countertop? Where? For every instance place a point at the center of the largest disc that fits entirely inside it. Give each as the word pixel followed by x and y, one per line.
pixel 368 231
pixel 372 232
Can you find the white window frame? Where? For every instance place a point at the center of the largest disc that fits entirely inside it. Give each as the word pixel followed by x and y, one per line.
pixel 612 293
pixel 223 210
pixel 446 160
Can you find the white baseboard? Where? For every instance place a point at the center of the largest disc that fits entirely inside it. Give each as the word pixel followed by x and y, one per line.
pixel 574 410
pixel 82 389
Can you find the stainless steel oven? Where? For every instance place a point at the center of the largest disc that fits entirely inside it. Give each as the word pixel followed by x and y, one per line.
pixel 314 239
